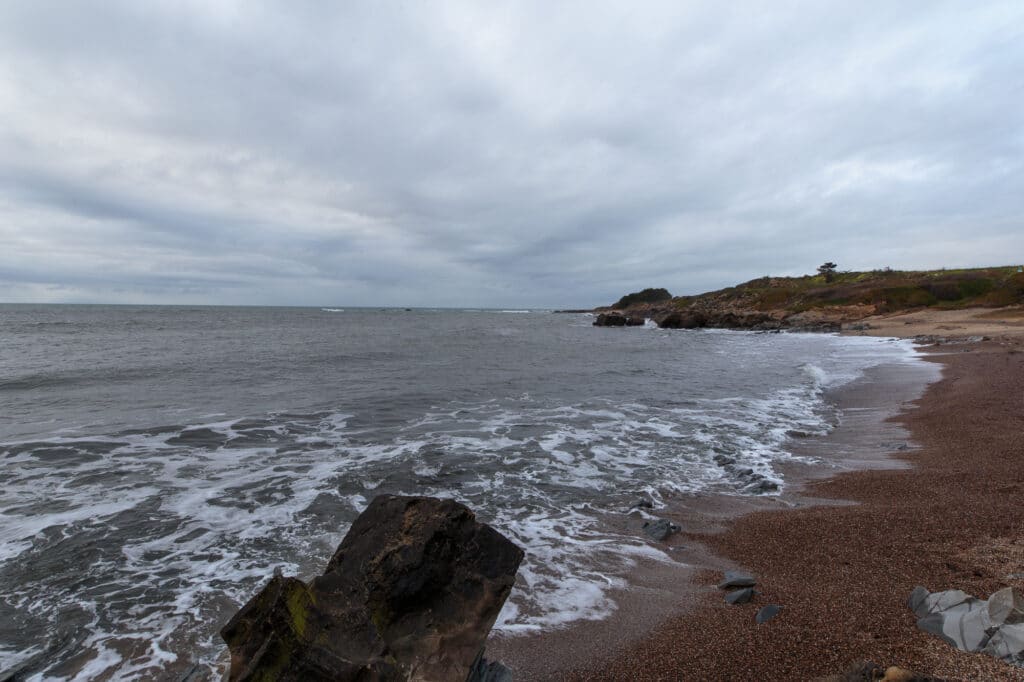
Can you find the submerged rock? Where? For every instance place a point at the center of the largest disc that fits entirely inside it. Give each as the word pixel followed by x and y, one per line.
pixel 660 529
pixel 410 594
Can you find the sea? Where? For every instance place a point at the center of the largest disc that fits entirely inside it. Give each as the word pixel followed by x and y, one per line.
pixel 159 463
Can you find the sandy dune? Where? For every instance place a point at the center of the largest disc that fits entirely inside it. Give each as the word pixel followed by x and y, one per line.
pixel 967 322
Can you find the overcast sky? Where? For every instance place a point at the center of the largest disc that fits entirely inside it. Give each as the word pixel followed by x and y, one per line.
pixel 492 154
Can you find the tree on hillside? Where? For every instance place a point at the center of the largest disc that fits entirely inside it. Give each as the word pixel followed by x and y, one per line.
pixel 828 270
pixel 646 296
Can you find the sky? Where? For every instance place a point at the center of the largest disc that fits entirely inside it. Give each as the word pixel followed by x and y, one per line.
pixel 527 154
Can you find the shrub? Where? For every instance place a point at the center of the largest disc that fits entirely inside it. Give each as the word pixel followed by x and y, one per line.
pixel 969 288
pixel 646 296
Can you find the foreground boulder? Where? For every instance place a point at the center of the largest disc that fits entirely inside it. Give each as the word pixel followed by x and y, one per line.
pixel 994 626
pixel 410 594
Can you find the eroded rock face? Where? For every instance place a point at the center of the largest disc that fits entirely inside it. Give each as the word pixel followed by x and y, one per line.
pixel 410 594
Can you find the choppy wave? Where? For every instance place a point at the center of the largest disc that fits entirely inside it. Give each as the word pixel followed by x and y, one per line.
pixel 197 516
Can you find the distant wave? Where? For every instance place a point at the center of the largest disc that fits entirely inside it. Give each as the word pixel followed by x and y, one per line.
pixel 333 310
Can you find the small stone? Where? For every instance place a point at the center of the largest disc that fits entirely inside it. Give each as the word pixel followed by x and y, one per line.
pixel 643 503
pixel 740 596
pixel 737 579
pixel 766 613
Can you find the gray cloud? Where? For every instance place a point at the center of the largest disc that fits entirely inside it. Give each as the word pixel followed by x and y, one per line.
pixel 524 154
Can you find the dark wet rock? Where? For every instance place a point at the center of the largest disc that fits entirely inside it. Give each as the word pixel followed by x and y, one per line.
pixel 643 503
pixel 410 593
pixel 763 487
pixel 737 579
pixel 682 320
pixel 766 613
pixel 660 529
pixel 489 671
pixel 740 596
pixel 794 433
pixel 616 319
pixel 610 320
pixel 724 460
pixel 994 626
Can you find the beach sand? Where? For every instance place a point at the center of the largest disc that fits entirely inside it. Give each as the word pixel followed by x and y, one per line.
pixel 843 554
pixel 956 323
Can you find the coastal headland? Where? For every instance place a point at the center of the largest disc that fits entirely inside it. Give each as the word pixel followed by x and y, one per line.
pixel 834 301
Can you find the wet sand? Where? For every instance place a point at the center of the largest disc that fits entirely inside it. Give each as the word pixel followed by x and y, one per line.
pixel 840 554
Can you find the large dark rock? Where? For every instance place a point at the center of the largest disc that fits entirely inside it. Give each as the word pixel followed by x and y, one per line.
pixel 683 319
pixel 617 319
pixel 410 594
pixel 611 320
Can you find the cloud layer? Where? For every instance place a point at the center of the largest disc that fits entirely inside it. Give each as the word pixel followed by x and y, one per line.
pixel 526 154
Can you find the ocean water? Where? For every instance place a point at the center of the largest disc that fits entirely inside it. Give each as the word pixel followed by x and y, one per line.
pixel 157 464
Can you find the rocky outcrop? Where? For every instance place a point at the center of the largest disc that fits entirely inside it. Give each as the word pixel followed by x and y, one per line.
pixel 410 594
pixel 617 319
pixel 994 626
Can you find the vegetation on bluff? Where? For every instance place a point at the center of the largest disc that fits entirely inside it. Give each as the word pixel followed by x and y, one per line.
pixel 649 295
pixel 885 290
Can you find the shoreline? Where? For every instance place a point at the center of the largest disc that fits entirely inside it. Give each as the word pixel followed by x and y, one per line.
pixel 660 591
pixel 843 573
pixel 844 584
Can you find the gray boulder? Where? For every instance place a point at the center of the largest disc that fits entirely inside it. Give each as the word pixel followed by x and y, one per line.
pixel 410 594
pixel 737 579
pixel 994 626
pixel 1006 607
pixel 740 596
pixel 766 613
